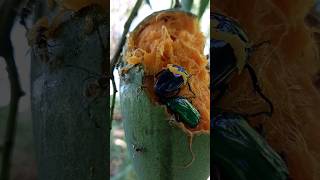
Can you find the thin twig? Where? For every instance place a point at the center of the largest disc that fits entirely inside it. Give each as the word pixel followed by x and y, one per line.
pixel 113 100
pixel 134 13
pixel 7 20
pixel 25 13
pixel 177 4
pixel 16 93
pixel 115 59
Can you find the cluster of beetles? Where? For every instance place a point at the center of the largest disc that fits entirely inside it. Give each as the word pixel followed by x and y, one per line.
pixel 167 87
pixel 239 151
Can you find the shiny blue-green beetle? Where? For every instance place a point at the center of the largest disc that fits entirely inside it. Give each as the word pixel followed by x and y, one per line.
pixel 184 110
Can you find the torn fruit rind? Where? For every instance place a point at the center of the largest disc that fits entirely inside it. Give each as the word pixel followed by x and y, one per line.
pixel 173 37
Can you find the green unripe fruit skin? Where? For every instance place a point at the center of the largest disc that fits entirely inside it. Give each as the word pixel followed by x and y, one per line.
pixel 159 148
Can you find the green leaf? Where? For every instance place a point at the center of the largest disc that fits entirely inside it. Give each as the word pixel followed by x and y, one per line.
pixel 148 2
pixel 187 5
pixel 202 8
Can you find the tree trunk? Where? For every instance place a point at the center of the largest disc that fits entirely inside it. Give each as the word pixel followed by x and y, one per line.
pixel 158 146
pixel 70 127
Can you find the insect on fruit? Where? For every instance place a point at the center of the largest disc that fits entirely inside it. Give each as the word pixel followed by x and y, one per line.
pixel 229 45
pixel 168 86
pixel 170 80
pixel 231 51
pixel 242 153
pixel 184 110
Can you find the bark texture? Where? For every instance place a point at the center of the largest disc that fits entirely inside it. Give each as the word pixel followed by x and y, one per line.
pixel 71 129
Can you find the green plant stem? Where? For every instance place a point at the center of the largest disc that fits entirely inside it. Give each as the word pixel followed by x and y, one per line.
pixel 127 25
pixel 177 4
pixel 113 100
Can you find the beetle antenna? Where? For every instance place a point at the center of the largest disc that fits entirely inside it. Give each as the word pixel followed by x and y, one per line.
pixel 159 73
pixel 191 89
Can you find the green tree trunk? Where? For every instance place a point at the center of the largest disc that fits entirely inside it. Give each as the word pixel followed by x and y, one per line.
pixel 70 129
pixel 159 148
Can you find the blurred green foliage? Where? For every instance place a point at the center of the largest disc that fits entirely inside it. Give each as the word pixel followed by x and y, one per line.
pixel 120 161
pixel 186 4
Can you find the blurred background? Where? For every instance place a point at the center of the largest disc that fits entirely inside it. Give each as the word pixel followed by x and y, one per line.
pixel 120 162
pixel 23 158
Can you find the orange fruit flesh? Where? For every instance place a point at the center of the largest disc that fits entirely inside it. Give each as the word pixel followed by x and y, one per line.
pixel 174 38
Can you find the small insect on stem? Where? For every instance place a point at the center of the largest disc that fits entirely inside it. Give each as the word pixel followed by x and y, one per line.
pixel 138 149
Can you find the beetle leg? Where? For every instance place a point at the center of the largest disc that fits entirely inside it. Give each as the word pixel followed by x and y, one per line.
pixel 260 129
pixel 188 98
pixel 284 157
pixel 177 92
pixel 257 46
pixel 159 73
pixel 191 89
pixel 177 117
pixel 257 88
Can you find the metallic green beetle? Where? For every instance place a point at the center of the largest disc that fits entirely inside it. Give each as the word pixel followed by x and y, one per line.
pixel 184 110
